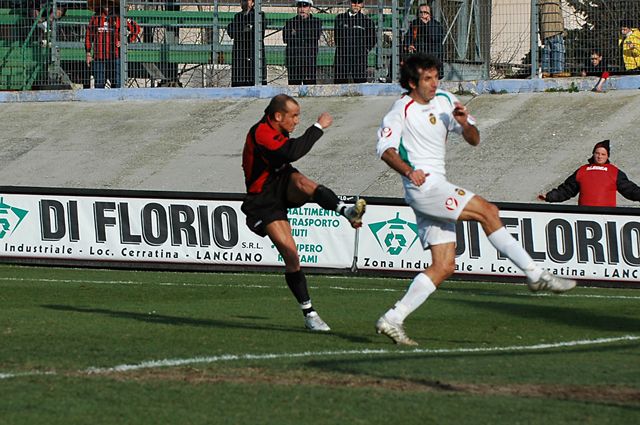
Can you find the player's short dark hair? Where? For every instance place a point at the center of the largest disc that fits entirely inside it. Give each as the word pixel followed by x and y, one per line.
pixel 278 104
pixel 411 67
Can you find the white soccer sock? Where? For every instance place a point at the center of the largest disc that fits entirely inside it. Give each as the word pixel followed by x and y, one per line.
pixel 418 292
pixel 507 245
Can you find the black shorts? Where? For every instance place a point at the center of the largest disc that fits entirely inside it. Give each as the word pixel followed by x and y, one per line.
pixel 271 204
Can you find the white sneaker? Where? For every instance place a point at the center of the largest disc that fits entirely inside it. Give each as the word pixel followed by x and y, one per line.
pixel 393 331
pixel 312 321
pixel 553 283
pixel 355 212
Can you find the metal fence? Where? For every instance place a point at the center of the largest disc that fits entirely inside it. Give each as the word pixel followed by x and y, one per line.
pixel 111 43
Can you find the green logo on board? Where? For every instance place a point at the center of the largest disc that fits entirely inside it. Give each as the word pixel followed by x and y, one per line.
pixel 10 218
pixel 396 235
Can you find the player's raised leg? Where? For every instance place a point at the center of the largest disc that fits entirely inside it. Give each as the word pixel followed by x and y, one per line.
pixel 302 188
pixel 488 215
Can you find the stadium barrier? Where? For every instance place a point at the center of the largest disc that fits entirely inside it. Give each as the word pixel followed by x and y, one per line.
pixel 207 231
pixel 185 43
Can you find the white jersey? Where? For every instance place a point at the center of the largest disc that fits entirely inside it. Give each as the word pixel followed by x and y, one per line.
pixel 419 132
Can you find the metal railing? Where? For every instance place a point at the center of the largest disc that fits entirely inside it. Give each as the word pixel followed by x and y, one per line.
pixel 43 44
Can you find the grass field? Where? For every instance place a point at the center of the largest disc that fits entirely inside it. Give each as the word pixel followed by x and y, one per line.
pixel 84 346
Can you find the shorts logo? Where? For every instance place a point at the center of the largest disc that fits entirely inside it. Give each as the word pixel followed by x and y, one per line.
pixel 386 132
pixel 461 192
pixel 432 119
pixel 451 204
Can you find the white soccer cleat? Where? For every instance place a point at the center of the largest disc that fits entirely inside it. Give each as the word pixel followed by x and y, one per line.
pixel 393 331
pixel 552 283
pixel 355 212
pixel 313 322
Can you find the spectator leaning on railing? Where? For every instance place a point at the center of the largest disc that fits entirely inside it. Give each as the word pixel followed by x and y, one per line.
pixel 630 43
pixel 596 66
pixel 596 182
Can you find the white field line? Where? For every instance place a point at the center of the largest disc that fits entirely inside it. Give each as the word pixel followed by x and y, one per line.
pixel 336 288
pixel 152 364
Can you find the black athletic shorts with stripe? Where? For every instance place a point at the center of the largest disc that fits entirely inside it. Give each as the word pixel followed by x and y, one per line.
pixel 271 204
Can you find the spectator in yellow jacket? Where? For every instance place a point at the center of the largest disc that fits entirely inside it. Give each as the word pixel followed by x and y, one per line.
pixel 630 41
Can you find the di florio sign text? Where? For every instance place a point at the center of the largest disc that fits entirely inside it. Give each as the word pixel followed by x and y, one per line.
pixel 582 246
pixel 159 230
pixel 144 230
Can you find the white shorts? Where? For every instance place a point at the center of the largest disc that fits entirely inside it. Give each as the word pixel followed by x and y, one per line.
pixel 437 205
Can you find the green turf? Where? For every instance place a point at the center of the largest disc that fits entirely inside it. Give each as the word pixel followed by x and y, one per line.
pixel 58 325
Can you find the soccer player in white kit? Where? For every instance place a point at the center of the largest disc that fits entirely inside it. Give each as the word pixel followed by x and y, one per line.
pixel 412 140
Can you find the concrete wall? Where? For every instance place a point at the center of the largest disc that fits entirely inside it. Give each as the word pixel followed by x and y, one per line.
pixel 182 140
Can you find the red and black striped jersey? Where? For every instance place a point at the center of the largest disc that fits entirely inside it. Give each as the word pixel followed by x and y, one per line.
pixel 267 150
pixel 103 34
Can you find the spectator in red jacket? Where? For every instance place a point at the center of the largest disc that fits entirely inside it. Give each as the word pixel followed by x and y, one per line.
pixel 102 44
pixel 596 182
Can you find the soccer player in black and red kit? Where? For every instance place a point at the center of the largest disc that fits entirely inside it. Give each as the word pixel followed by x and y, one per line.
pixel 273 185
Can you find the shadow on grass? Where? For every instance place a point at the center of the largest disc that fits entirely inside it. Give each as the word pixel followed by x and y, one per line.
pixel 186 321
pixel 388 372
pixel 567 315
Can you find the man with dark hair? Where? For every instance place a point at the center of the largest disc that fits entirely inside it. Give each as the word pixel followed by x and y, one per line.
pixel 596 66
pixel 301 34
pixel 596 182
pixel 412 141
pixel 273 185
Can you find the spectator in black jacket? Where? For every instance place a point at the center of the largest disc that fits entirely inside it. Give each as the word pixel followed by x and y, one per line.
pixel 301 34
pixel 597 182
pixel 355 35
pixel 241 30
pixel 596 66
pixel 425 35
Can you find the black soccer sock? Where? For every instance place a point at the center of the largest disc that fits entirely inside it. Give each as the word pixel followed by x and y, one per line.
pixel 326 198
pixel 297 283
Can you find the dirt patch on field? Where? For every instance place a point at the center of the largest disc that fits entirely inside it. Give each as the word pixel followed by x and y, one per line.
pixel 604 394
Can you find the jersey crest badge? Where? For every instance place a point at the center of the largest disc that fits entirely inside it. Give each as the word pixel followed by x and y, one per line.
pixel 432 119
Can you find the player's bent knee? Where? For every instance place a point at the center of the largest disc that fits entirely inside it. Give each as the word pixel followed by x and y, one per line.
pixel 492 211
pixel 444 269
pixel 304 184
pixel 488 214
